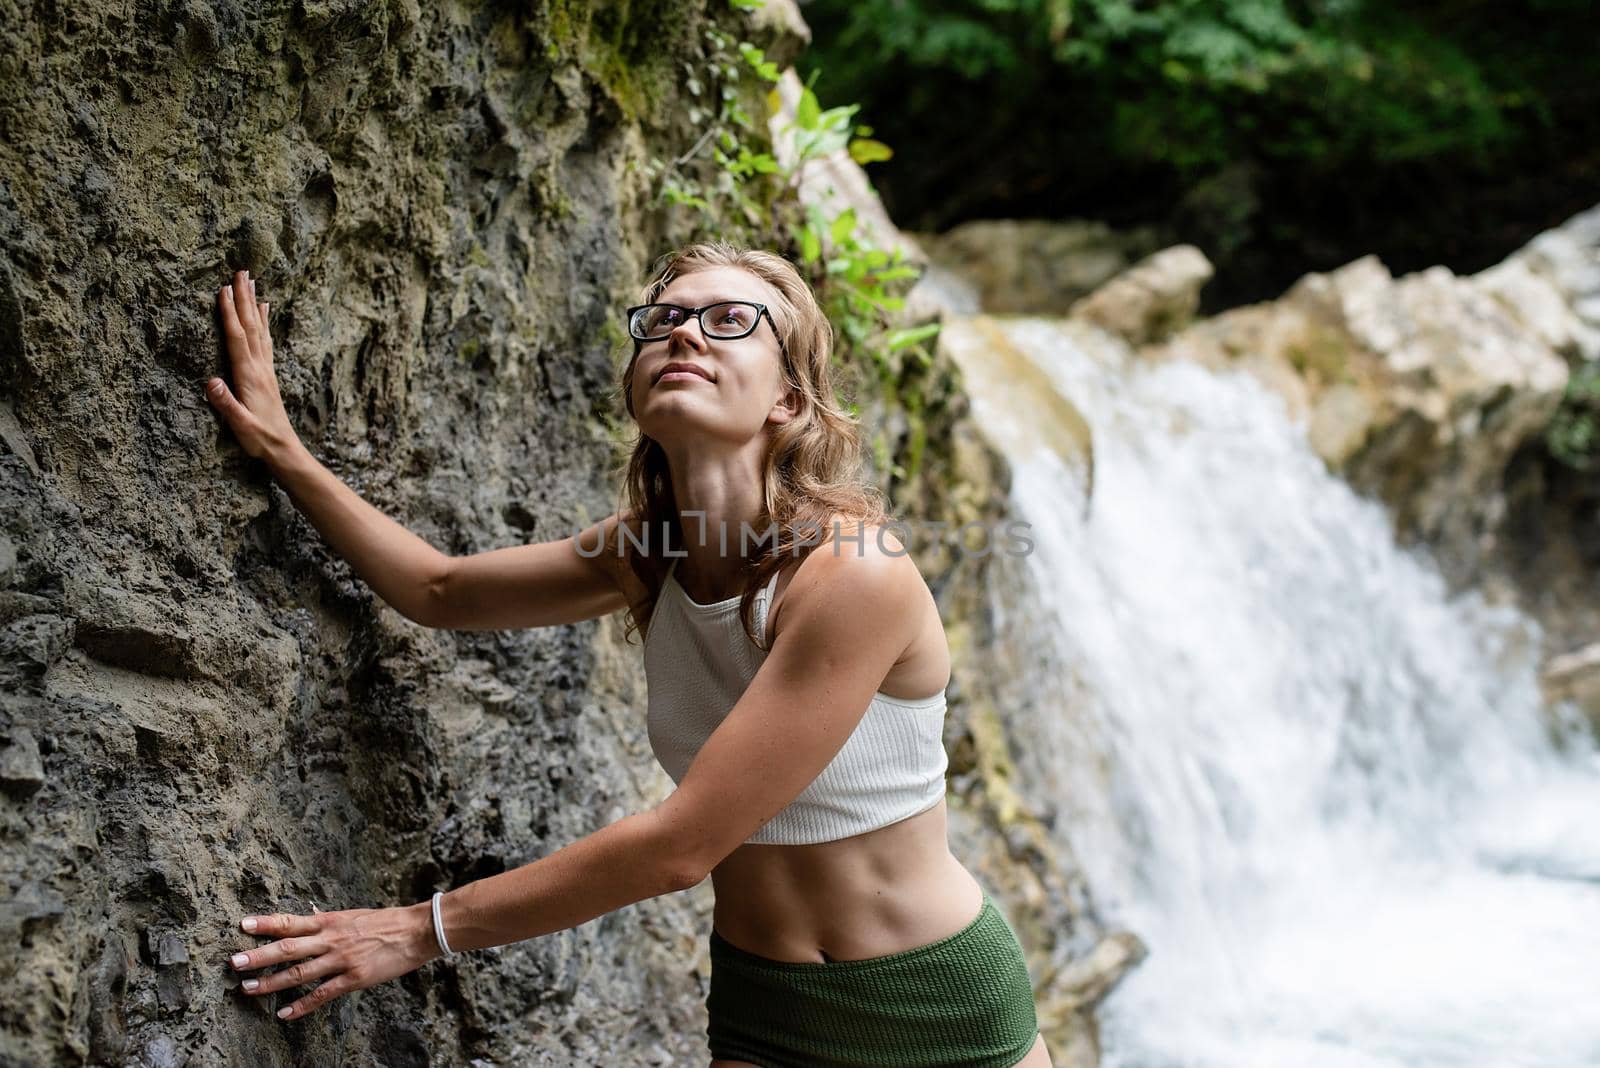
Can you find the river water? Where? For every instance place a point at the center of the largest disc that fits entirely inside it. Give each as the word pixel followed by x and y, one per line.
pixel 1322 790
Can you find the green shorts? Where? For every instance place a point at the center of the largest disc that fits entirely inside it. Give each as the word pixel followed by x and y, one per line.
pixel 965 1000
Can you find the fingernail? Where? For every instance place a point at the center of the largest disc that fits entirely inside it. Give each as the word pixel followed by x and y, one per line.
pixel 250 984
pixel 240 960
pixel 283 1013
pixel 248 923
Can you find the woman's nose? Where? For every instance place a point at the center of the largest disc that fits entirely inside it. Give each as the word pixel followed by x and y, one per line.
pixel 690 329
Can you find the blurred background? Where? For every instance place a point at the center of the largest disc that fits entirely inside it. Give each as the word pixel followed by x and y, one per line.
pixel 1279 136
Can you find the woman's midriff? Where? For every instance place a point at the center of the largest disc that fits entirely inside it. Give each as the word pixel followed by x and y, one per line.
pixel 869 895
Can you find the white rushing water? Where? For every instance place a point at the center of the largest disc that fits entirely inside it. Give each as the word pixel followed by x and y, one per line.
pixel 1322 791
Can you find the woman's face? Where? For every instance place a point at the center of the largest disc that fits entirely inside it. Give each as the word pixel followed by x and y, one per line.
pixel 742 388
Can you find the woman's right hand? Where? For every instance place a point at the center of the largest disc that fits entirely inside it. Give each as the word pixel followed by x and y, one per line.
pixel 256 416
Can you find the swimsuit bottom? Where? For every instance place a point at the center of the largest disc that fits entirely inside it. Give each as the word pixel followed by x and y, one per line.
pixel 965 1000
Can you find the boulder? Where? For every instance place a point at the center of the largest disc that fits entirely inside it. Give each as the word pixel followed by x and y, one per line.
pixel 1150 300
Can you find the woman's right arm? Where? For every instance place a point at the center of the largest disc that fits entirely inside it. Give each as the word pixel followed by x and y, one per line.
pixel 522 586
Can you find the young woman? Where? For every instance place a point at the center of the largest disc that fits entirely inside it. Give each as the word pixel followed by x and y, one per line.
pixel 796 669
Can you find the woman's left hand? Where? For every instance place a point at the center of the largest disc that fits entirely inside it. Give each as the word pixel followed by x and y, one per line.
pixel 349 950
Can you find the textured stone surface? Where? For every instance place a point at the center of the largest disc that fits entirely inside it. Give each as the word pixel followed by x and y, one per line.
pixel 1152 299
pixel 203 712
pixel 1552 285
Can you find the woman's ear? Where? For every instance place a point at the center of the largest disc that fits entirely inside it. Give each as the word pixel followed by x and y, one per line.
pixel 786 407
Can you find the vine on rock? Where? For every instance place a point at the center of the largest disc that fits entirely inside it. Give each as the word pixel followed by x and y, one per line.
pixel 742 192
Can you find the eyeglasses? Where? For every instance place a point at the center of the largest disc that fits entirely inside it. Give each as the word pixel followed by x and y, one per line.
pixel 726 320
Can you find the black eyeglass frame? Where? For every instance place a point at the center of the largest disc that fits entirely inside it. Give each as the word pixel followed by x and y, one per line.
pixel 761 309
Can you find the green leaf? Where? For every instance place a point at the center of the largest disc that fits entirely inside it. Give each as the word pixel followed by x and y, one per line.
pixel 864 150
pixel 809 111
pixel 757 59
pixel 843 226
pixel 899 339
pixel 810 245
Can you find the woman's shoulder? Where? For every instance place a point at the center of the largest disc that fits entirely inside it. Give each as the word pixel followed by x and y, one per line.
pixel 855 556
pixel 841 571
pixel 867 539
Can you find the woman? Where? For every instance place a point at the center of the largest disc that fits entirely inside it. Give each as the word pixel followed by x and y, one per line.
pixel 796 697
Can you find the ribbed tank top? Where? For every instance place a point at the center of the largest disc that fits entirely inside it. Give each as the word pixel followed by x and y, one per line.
pixel 698 661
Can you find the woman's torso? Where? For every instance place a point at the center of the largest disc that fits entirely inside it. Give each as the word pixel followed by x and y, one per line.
pixel 879 892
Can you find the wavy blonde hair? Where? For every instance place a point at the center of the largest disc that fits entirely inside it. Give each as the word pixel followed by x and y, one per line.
pixel 811 473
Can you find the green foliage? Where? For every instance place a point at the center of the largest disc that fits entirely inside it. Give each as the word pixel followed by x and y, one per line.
pixel 1573 435
pixel 859 285
pixel 1189 84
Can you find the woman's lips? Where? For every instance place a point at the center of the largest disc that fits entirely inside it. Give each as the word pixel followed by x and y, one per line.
pixel 677 376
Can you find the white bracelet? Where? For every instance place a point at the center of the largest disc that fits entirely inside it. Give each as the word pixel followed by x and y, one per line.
pixel 438 925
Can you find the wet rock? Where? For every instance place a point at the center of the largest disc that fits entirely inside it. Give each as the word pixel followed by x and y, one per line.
pixel 1151 300
pixel 1088 979
pixel 1575 676
pixel 160 1051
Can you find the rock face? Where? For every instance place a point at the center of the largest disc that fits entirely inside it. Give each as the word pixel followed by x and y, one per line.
pixel 203 713
pixel 1552 286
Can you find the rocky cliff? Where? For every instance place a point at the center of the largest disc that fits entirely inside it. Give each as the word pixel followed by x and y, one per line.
pixel 203 713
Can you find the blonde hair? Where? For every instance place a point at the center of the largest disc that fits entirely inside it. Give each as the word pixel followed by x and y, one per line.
pixel 811 473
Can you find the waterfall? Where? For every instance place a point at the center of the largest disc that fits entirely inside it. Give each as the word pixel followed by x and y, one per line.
pixel 1323 790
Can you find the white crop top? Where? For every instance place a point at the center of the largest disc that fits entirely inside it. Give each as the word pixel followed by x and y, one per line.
pixel 698 661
